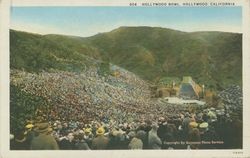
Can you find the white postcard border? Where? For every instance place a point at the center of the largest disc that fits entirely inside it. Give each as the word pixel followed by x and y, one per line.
pixel 4 87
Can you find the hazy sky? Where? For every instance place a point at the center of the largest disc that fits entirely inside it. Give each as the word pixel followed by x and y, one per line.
pixel 87 21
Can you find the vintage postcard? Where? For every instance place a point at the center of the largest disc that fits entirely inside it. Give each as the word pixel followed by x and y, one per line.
pixel 125 79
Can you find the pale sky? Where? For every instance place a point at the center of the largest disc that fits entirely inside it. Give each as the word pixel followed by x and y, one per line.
pixel 88 21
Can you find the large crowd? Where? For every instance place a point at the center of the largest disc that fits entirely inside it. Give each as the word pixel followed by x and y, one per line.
pixel 109 112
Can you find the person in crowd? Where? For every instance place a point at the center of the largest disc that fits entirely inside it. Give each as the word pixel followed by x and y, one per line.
pixel 100 142
pixel 194 138
pixel 170 136
pixel 81 143
pixel 143 135
pixel 67 142
pixel 236 133
pixel 88 135
pixel 154 142
pixel 162 128
pixel 185 124
pixel 117 139
pixel 19 141
pixel 136 142
pixel 43 141
pixel 113 139
pixel 30 134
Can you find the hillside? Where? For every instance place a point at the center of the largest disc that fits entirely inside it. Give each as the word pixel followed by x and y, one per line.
pixel 34 53
pixel 212 58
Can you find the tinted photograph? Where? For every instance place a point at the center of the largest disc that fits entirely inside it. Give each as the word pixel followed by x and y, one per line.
pixel 125 78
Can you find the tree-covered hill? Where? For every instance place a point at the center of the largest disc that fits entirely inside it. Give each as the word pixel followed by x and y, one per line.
pixel 211 58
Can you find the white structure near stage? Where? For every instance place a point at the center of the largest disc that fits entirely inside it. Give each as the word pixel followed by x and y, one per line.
pixel 175 100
